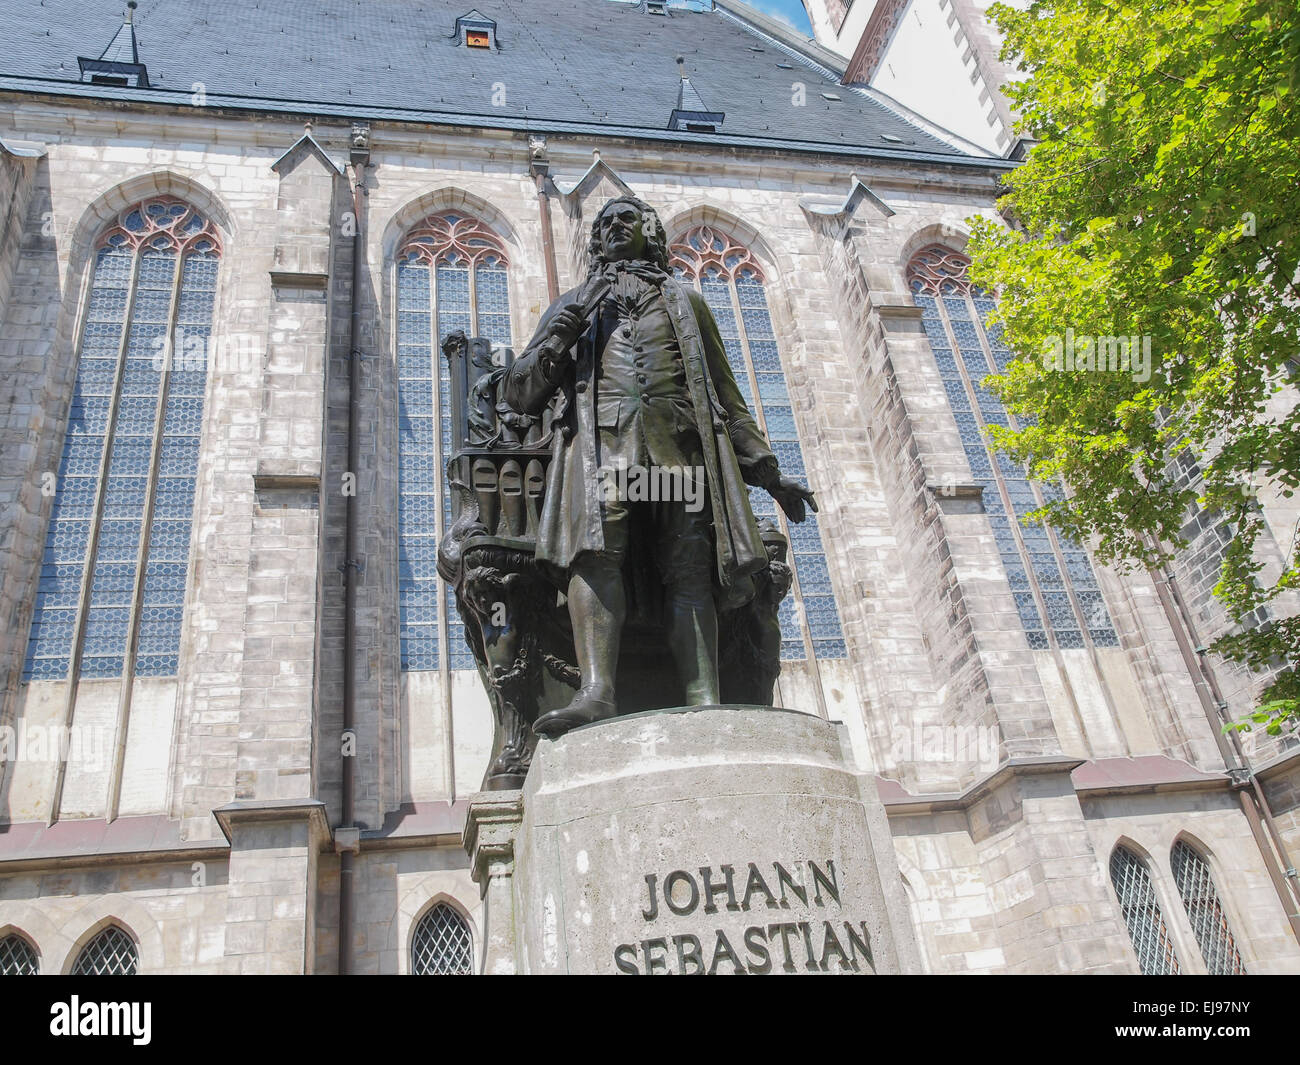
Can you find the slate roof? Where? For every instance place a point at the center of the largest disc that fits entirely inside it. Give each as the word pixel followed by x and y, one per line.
pixel 599 66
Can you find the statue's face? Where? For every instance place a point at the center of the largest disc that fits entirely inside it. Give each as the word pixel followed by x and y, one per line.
pixel 621 235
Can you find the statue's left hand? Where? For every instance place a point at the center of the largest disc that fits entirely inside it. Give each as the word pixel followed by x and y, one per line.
pixel 792 495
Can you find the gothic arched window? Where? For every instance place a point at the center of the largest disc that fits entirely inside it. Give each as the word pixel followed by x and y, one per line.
pixel 442 944
pixel 1050 575
pixel 731 282
pixel 112 586
pixel 111 953
pixel 451 274
pixel 1142 914
pixel 17 957
pixel 1205 912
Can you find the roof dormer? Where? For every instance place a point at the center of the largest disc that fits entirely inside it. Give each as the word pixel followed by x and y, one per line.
pixel 119 63
pixel 691 115
pixel 476 30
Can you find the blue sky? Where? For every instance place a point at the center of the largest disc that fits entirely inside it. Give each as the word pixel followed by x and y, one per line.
pixel 789 11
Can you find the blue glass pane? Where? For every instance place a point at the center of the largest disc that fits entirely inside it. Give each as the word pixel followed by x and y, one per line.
pixel 773 401
pixel 492 297
pixel 780 422
pixel 95 665
pixel 813 576
pixel 419 484
pixel 823 619
pixel 459 655
pixel 1073 569
pixel 947 319
pixel 763 505
pixel 132 374
pixel 772 389
pixel 76 483
pixel 757 323
pixel 425 410
pixel 107 628
pixel 130 466
pixel 765 355
pixel 790 457
pixel 956 308
pixel 163 598
pixel 717 294
pixel 453 300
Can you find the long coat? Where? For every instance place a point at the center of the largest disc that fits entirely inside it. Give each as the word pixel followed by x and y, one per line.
pixel 734 450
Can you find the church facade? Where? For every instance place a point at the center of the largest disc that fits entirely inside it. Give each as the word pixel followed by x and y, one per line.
pixel 232 244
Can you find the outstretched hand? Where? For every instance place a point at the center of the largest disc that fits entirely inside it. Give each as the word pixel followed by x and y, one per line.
pixel 792 495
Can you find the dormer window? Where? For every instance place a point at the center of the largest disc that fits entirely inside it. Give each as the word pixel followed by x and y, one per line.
pixel 476 30
pixel 691 115
pixel 656 7
pixel 119 64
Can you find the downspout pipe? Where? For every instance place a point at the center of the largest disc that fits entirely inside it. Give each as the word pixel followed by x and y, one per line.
pixel 540 167
pixel 360 161
pixel 1253 802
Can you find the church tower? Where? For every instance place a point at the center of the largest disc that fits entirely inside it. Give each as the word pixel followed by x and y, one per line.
pixel 938 58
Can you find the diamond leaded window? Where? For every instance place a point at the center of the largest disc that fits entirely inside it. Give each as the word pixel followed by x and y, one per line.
pixel 110 953
pixel 1050 576
pixel 731 281
pixel 451 274
pixel 1142 914
pixel 112 585
pixel 1205 911
pixel 442 944
pixel 17 958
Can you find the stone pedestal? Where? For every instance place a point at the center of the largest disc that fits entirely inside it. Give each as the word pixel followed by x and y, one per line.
pixel 724 839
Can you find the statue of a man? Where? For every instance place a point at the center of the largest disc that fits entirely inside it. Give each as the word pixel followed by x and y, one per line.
pixel 646 386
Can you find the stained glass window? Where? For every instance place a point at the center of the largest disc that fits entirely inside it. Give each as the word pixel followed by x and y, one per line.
pixel 1142 914
pixel 442 944
pixel 112 585
pixel 731 281
pixel 451 274
pixel 1051 577
pixel 1205 911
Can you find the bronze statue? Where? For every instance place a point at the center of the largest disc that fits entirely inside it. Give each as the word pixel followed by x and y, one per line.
pixel 633 370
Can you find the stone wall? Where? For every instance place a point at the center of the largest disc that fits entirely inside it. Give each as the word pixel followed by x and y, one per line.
pixel 175 911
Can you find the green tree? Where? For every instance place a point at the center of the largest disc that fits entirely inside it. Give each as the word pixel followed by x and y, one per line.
pixel 1162 200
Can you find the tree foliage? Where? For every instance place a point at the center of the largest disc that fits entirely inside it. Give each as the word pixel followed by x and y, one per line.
pixel 1161 201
